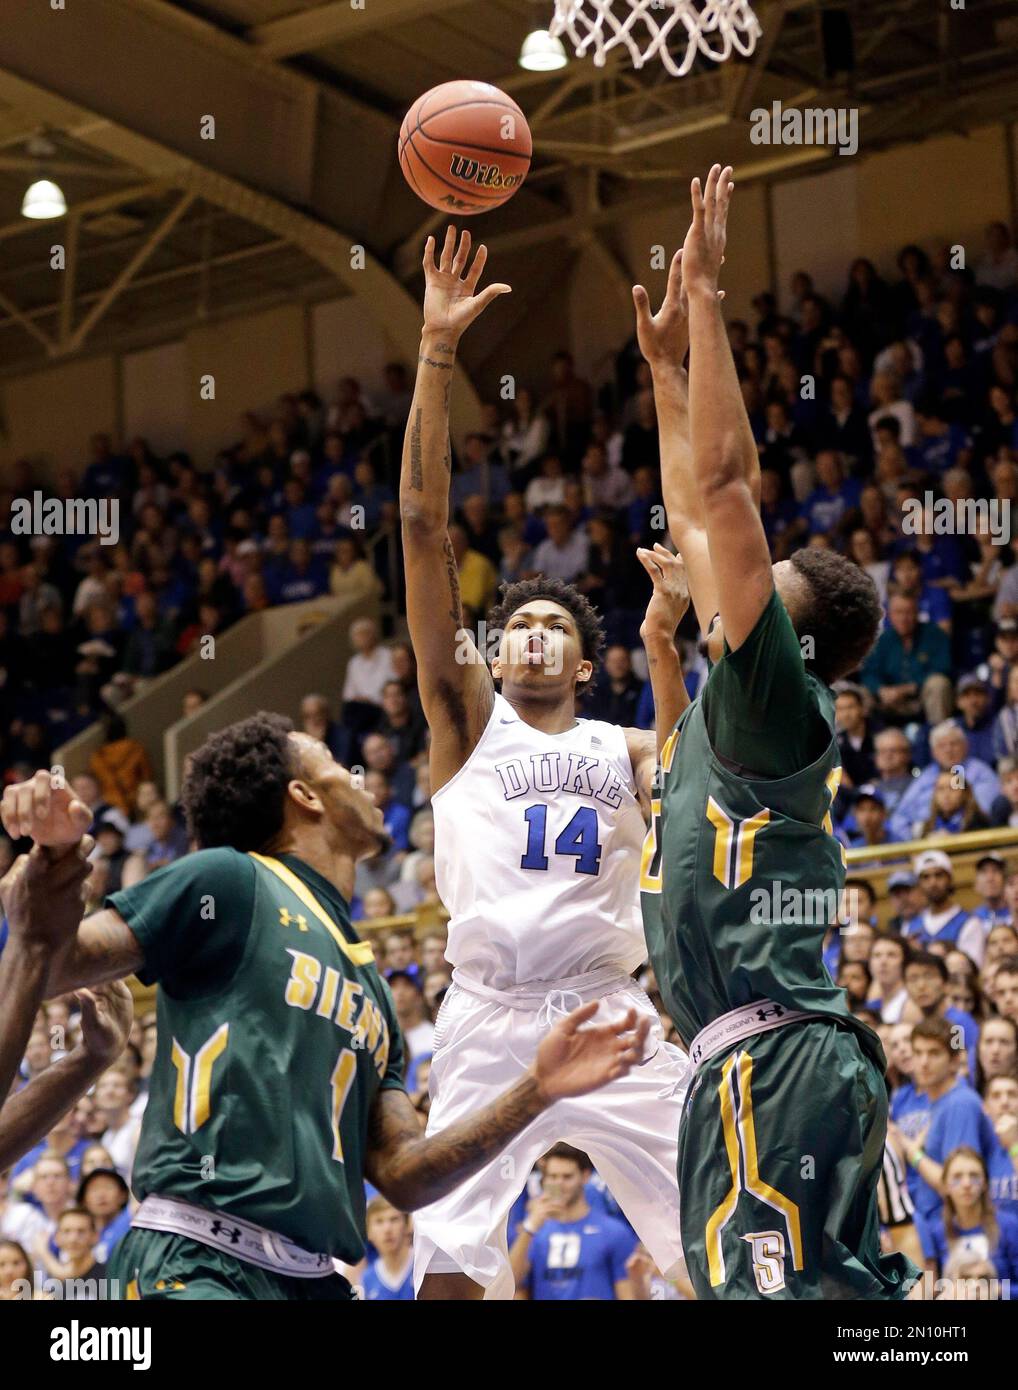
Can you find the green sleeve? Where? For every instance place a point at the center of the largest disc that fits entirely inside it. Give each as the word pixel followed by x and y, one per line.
pixel 759 702
pixel 192 920
pixel 395 1071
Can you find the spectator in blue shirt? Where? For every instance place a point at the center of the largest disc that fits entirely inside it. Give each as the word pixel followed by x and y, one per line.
pixel 833 499
pixel 968 1223
pixel 395 815
pixel 301 578
pixel 391 1276
pixel 907 578
pixel 926 981
pixel 956 1116
pixel 909 668
pixel 563 1249
pixel 941 445
pixel 950 749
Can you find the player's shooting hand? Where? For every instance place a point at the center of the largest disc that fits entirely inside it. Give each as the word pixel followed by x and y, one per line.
pixel 107 1012
pixel 573 1060
pixel 663 337
pixel 47 812
pixel 450 300
pixel 670 599
pixel 703 251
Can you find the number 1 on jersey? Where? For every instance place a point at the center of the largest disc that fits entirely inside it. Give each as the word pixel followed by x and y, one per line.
pixel 579 838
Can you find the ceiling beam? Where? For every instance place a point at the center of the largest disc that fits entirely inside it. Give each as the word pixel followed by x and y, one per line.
pixel 307 30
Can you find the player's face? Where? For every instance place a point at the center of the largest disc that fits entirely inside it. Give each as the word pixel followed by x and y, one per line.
pixel 349 808
pixel 540 650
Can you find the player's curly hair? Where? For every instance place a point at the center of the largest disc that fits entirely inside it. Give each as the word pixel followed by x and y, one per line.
pixel 584 614
pixel 235 789
pixel 843 615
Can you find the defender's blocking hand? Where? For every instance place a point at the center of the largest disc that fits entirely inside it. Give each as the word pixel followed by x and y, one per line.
pixel 49 814
pixel 573 1060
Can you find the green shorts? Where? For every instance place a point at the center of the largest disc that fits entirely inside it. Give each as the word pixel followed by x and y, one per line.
pixel 780 1150
pixel 160 1265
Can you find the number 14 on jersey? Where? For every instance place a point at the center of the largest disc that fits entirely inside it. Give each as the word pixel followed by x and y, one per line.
pixel 579 838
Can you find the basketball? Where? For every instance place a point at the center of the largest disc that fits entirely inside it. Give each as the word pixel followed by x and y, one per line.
pixel 464 147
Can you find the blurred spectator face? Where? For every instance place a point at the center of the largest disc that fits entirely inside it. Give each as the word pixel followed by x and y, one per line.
pixel 932 1064
pixel 14 1266
pixel 314 716
pixel 958 963
pixel 828 468
pixel 377 904
pixel 75 1235
pixel 594 462
pixel 938 886
pixel 364 636
pixel 95 1156
pixel 990 881
pixel 399 951
pixel 617 664
pixel 950 747
pixel 277 530
pixel 998 1050
pixel 476 512
pixel 857 942
pixel 159 820
pixel 192 703
pixel 1005 991
pixel 848 711
pixel 422 832
pixel 112 1095
pixel 387 1229
pixel 893 753
pixel 37 1052
pixel 899 1052
pixel 378 753
pixel 378 785
pixel 852 978
pixel 947 798
pixel 925 987
pixel 886 961
pixel 1002 1098
pixel 406 996
pixel 425 875
pixel 562 1180
pixel 558 525
pixel 974 701
pixel 903 615
pixel 104 1198
pixel 960 995
pixel 433 953
pixel 51 1184
pixel 435 983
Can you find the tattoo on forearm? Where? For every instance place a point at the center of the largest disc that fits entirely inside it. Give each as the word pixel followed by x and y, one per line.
pixel 452 570
pixel 416 463
pixel 431 362
pixel 447 460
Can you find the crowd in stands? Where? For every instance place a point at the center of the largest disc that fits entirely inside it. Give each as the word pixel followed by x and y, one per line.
pixel 898 401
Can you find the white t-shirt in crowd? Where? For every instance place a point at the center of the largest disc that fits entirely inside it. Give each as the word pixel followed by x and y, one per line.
pixel 366 675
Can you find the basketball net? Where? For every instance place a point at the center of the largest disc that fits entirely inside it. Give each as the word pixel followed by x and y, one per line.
pixel 712 27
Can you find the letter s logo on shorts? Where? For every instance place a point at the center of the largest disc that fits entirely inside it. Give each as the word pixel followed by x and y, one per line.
pixel 768 1259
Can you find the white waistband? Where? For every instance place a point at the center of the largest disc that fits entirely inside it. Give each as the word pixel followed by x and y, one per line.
pixel 241 1239
pixel 758 1017
pixel 534 993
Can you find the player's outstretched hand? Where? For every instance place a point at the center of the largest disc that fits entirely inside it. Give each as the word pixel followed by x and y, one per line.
pixel 573 1060
pixel 703 251
pixel 107 1012
pixel 663 337
pixel 450 300
pixel 41 895
pixel 670 599
pixel 45 810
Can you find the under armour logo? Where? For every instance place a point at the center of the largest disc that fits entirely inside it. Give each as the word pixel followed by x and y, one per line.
pixel 218 1229
pixel 774 1011
pixel 696 1054
pixel 286 919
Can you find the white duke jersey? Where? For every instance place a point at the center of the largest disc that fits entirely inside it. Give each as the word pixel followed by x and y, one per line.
pixel 537 854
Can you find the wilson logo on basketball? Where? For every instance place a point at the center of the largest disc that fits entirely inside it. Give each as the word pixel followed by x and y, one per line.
pixel 484 175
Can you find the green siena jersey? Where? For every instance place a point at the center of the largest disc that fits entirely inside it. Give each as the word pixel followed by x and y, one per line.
pixel 275 1034
pixel 741 873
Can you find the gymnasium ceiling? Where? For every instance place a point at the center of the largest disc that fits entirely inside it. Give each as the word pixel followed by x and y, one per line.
pixel 166 230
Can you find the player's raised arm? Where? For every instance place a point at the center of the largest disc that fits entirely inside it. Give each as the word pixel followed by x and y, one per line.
pixel 572 1060
pixel 457 693
pixel 666 609
pixel 725 458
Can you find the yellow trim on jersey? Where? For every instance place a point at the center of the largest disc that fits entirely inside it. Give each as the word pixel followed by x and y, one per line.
pixel 722 840
pixel 776 1200
pixel 723 1213
pixel 341 1080
pixel 201 1088
pixel 359 952
pixel 744 845
pixel 182 1062
pixel 131 1294
pixel 651 883
pixel 668 751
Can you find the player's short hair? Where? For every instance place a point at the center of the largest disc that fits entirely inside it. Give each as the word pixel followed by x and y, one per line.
pixel 842 615
pixel 582 611
pixel 235 790
pixel 570 1155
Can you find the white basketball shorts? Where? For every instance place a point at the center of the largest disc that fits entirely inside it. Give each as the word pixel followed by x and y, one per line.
pixel 629 1128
